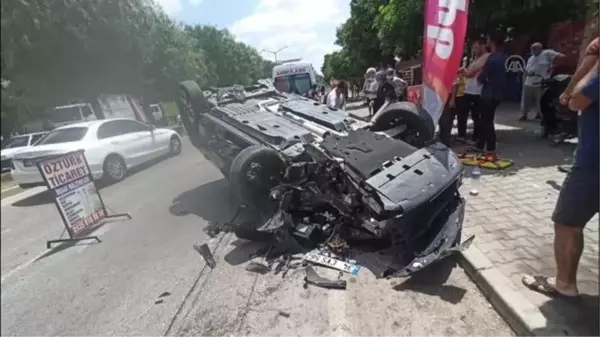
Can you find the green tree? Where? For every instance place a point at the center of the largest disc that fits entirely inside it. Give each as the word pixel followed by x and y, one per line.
pixel 60 50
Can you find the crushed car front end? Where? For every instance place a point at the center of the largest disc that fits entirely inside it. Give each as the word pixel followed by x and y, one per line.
pixel 329 180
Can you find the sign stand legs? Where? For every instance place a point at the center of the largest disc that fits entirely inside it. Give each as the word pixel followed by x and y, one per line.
pixel 73 240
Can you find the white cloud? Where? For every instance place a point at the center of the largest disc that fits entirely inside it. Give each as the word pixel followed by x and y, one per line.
pixel 174 7
pixel 306 27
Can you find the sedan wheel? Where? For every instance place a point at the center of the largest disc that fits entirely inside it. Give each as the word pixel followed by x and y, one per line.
pixel 114 169
pixel 175 146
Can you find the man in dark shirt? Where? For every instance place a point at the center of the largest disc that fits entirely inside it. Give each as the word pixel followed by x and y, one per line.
pixel 385 91
pixel 578 199
pixel 492 76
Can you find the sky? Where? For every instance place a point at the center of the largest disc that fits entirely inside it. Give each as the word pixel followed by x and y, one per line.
pixel 304 28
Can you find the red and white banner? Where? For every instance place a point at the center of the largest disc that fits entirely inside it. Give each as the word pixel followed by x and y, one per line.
pixel 443 44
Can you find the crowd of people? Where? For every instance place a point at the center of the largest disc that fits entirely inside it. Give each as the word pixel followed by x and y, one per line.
pixel 381 85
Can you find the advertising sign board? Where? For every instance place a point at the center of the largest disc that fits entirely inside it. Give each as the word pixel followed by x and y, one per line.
pixel 69 179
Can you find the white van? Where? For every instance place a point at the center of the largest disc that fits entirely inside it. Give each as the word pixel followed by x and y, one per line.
pixel 295 77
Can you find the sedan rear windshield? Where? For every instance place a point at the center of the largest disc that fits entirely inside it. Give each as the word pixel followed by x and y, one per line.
pixel 63 136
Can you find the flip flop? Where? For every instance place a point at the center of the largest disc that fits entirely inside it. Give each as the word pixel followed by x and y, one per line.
pixel 541 285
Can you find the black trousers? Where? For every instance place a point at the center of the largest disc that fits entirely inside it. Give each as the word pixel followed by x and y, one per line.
pixel 487 136
pixel 458 112
pixel 473 106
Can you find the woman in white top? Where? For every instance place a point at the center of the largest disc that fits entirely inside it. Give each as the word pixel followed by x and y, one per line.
pixel 473 87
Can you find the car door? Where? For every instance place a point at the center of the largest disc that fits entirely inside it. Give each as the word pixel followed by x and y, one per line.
pixel 116 136
pixel 142 139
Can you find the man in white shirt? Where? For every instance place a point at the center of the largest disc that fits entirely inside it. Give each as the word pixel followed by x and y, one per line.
pixel 370 88
pixel 539 67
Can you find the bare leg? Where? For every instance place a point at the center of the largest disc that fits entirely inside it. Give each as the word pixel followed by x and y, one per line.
pixel 568 247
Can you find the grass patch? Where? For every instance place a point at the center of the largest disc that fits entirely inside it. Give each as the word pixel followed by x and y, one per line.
pixel 170 109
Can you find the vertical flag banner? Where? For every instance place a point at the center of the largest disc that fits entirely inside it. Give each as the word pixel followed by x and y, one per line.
pixel 443 44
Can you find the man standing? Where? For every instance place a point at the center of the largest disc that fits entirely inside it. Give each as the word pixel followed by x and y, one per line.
pixel 492 76
pixel 578 199
pixel 539 67
pixel 370 88
pixel 385 91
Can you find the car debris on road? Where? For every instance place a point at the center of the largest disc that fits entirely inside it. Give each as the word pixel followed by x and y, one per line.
pixel 328 189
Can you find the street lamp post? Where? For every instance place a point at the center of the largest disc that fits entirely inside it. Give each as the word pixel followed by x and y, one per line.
pixel 274 52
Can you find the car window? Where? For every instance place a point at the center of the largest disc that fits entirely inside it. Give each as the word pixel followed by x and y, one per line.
pixel 86 111
pixel 110 129
pixel 130 126
pixel 35 138
pixel 67 135
pixel 66 114
pixel 18 141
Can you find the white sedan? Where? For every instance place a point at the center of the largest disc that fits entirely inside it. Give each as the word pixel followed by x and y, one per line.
pixel 112 147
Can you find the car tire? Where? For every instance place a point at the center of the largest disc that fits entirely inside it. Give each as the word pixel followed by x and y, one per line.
pixel 419 123
pixel 175 145
pixel 114 169
pixel 192 102
pixel 254 191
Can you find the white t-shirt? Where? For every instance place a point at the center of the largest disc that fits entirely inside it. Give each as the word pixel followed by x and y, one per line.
pixel 334 100
pixel 541 66
pixel 371 85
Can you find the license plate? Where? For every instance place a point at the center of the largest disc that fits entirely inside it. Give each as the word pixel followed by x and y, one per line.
pixel 333 263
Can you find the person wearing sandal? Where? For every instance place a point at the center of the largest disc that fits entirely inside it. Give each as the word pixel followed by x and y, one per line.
pixel 578 199
pixel 492 75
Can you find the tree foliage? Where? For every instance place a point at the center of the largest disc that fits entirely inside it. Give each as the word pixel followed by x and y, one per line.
pixel 61 50
pixel 379 30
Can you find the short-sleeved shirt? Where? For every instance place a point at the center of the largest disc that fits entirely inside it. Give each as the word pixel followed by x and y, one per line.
pixel 334 100
pixel 541 66
pixel 493 76
pixel 371 85
pixel 586 155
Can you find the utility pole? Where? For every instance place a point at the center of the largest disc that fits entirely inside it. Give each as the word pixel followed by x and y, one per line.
pixel 274 52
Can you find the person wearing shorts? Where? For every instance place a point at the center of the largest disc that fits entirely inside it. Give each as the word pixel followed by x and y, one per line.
pixel 578 199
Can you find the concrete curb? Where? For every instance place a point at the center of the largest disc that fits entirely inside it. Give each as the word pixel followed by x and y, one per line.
pixel 520 314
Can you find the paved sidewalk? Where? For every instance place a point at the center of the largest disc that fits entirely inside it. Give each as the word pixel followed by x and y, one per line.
pixel 511 220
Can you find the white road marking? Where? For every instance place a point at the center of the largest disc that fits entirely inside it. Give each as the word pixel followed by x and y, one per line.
pixel 10 188
pixel 23 195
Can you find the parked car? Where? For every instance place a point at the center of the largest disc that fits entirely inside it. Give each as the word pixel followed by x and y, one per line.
pixel 15 145
pixel 112 147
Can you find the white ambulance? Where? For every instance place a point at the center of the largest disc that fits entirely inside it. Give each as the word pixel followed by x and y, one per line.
pixel 295 77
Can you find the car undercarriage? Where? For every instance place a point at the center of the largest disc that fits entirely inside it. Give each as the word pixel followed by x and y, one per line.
pixel 383 193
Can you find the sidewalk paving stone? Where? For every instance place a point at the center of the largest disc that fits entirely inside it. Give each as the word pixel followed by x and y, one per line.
pixel 511 220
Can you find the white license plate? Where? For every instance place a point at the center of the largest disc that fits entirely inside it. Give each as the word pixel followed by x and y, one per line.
pixel 333 263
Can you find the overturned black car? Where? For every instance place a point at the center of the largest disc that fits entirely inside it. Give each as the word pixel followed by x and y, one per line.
pixel 382 191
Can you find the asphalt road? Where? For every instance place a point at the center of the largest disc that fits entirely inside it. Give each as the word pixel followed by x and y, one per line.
pixel 115 287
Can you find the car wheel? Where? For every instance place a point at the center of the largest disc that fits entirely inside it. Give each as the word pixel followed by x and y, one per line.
pixel 254 172
pixel 192 103
pixel 115 169
pixel 175 145
pixel 420 128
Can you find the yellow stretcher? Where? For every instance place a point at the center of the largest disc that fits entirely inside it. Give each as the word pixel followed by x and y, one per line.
pixel 475 159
